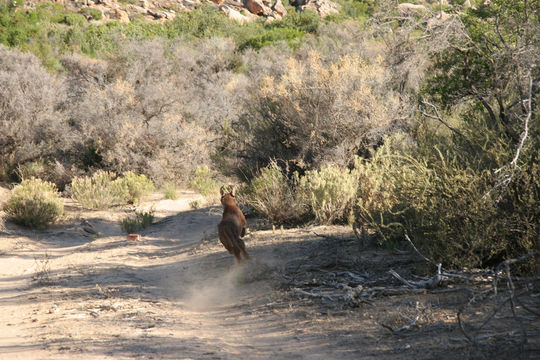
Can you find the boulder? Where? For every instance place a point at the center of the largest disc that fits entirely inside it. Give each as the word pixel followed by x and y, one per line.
pixel 234 14
pixel 121 16
pixel 408 9
pixel 257 7
pixel 321 7
pixel 279 8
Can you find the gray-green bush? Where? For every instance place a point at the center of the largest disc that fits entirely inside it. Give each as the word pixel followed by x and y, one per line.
pixel 32 126
pixel 329 193
pixel 35 204
pixel 99 191
pixel 272 194
pixel 137 222
pixel 137 186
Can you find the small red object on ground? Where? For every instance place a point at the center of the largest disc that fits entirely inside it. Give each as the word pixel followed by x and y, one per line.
pixel 134 237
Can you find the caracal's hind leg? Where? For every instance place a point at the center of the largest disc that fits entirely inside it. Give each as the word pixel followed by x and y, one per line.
pixel 236 253
pixel 242 247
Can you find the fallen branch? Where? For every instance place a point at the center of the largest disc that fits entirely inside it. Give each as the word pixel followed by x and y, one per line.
pixel 425 284
pixel 303 292
pixel 399 330
pixel 509 262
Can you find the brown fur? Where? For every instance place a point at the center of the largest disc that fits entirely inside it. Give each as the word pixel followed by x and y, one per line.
pixel 232 227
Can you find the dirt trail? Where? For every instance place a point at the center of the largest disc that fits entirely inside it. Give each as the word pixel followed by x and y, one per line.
pixel 83 290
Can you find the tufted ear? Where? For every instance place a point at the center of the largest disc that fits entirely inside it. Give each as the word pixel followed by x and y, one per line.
pixel 222 191
pixel 233 191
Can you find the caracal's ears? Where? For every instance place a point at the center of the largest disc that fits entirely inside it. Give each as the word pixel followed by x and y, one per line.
pixel 233 191
pixel 222 191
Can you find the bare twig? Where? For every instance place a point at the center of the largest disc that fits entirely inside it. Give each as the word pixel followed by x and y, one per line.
pixel 418 252
pixel 509 262
pixel 438 117
pixel 506 177
pixel 462 327
pixel 513 305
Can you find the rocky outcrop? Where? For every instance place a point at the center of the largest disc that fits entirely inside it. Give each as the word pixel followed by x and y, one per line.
pixel 321 7
pixel 257 7
pixel 162 10
pixel 407 9
pixel 121 15
pixel 234 14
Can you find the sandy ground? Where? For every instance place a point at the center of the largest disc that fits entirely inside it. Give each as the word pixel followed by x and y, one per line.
pixel 82 290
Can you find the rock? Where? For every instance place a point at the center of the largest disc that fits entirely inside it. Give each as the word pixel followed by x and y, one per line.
pixel 274 17
pixel 279 8
pixel 257 7
pixel 408 9
pixel 321 7
pixel 157 14
pixel 136 10
pixel 191 4
pixel 121 16
pixel 234 14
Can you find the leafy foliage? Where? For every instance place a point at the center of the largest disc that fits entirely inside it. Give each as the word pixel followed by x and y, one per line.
pixel 169 191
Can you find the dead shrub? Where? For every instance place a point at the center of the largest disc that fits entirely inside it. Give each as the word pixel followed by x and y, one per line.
pixel 317 114
pixel 32 125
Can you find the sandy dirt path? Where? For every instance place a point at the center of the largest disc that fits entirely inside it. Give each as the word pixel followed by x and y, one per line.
pixel 174 294
pixel 82 290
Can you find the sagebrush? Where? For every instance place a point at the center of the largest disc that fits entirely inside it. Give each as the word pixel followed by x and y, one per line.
pixel 35 203
pixel 99 191
pixel 272 194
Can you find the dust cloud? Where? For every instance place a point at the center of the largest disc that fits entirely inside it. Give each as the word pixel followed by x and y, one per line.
pixel 206 290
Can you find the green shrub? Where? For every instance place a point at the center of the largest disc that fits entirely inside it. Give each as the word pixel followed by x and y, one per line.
pixel 140 221
pixel 304 21
pixel 441 204
pixel 205 21
pixel 203 181
pixel 34 203
pixel 292 37
pixel 100 191
pixel 31 169
pixel 330 193
pixel 137 186
pixel 273 195
pixel 169 191
pixel 382 179
pixel 93 13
